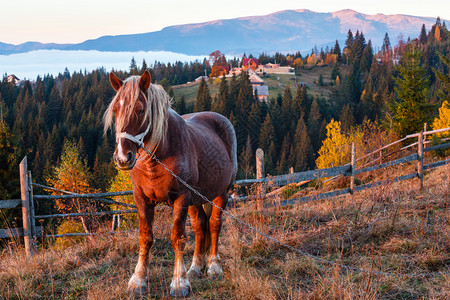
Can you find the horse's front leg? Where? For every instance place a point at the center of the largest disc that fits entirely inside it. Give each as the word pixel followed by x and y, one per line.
pixel 180 285
pixel 138 282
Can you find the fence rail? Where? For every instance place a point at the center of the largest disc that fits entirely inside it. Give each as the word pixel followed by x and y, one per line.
pixel 30 231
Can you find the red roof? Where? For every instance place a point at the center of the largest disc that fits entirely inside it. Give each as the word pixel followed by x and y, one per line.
pixel 247 61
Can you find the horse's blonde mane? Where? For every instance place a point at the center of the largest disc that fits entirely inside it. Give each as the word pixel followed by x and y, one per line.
pixel 157 109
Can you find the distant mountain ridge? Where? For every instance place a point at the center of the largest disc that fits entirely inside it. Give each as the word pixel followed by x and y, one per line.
pixel 284 31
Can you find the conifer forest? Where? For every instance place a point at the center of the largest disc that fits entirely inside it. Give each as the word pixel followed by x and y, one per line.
pixel 391 92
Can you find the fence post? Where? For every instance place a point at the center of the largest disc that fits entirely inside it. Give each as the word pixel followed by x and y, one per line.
pixel 260 175
pixel 420 160
pixel 33 220
pixel 28 230
pixel 425 125
pixel 353 165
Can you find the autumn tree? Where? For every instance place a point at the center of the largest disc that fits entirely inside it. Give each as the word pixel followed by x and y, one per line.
pixel 122 182
pixel 72 174
pixel 218 63
pixel 335 148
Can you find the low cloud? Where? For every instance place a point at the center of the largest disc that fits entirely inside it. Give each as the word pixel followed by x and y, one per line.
pixel 42 62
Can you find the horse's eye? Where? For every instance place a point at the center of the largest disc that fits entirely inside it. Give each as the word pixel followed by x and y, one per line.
pixel 141 112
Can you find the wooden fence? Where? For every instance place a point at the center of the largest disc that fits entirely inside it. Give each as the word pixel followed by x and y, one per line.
pixel 30 231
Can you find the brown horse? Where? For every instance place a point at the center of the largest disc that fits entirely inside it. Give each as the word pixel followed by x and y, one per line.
pixel 200 148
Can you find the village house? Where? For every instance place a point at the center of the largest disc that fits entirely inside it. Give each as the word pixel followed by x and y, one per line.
pixel 259 88
pixel 13 79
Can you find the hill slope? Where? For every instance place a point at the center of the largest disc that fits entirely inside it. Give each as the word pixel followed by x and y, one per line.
pixel 289 30
pixel 393 228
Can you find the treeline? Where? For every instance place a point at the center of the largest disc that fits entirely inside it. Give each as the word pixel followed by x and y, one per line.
pixel 37 117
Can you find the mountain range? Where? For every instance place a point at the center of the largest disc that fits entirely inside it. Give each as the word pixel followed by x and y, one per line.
pixel 284 31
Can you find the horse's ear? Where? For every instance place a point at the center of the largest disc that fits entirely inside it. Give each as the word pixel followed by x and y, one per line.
pixel 145 81
pixel 115 82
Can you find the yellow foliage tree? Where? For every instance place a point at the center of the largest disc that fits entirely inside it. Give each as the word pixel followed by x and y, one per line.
pixel 443 121
pixel 335 150
pixel 122 182
pixel 298 62
pixel 72 174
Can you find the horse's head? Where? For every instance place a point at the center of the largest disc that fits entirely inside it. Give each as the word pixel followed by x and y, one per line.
pixel 131 111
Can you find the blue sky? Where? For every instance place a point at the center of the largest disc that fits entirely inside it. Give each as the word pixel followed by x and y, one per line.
pixel 64 21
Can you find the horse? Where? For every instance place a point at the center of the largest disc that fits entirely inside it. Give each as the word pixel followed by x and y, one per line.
pixel 200 148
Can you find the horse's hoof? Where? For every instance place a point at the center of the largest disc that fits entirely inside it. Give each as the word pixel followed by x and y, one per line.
pixel 137 285
pixel 215 271
pixel 194 272
pixel 180 287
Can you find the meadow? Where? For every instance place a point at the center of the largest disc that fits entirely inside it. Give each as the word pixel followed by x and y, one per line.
pixel 394 228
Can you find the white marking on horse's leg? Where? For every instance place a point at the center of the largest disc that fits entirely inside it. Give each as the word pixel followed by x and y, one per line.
pixel 198 263
pixel 138 282
pixel 180 285
pixel 214 268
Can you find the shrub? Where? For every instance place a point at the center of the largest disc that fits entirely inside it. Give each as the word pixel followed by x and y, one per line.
pixel 68 226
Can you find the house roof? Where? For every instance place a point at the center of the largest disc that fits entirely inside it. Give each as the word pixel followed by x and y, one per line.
pixel 261 90
pixel 248 61
pixel 255 79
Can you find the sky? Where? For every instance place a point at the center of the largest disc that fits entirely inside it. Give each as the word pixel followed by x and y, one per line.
pixel 74 21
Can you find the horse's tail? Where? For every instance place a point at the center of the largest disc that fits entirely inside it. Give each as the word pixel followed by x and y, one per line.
pixel 207 207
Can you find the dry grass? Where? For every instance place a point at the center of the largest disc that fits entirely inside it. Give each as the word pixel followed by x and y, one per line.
pixel 393 229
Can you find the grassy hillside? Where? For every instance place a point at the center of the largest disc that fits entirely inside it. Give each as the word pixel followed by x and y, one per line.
pixel 276 82
pixel 394 228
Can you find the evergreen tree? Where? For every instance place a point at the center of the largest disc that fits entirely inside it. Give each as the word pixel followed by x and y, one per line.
pixel 267 134
pixel 386 43
pixel 203 102
pixel 412 109
pixel 303 150
pixel 367 57
pixel 335 72
pixel 423 35
pixel 133 67
pixel 337 50
pixel 444 79
pixel 180 105
pixel 314 122
pixel 346 119
pixel 245 161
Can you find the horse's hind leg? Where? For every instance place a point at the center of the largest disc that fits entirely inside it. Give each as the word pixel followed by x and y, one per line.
pixel 198 220
pixel 215 225
pixel 138 282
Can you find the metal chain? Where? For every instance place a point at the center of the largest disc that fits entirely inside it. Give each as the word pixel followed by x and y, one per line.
pixel 322 260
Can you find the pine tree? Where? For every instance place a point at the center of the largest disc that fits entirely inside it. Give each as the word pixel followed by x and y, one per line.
pixel 314 122
pixel 303 150
pixel 423 35
pixel 245 160
pixel 444 79
pixel 412 109
pixel 203 102
pixel 133 67
pixel 346 118
pixel 297 103
pixel 267 134
pixel 367 57
pixel 337 50
pixel 386 43
pixel 180 105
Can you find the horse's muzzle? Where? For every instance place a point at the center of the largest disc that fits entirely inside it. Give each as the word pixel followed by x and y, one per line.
pixel 125 162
